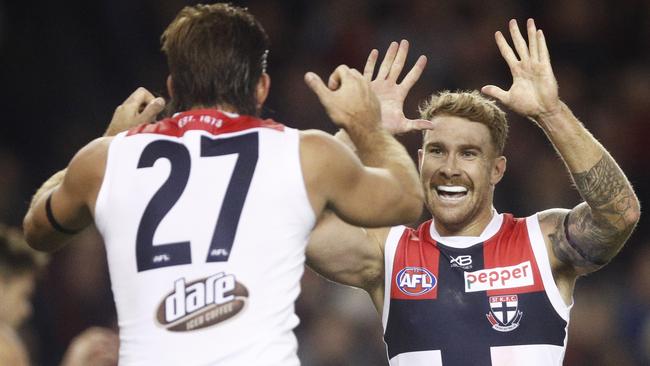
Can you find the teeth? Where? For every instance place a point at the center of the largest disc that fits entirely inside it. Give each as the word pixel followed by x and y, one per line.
pixel 452 189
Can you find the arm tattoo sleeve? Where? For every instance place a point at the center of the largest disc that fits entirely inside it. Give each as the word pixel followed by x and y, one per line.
pixel 602 183
pixel 595 230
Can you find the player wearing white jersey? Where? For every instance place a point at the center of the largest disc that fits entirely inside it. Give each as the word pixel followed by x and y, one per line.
pixel 206 214
pixel 472 287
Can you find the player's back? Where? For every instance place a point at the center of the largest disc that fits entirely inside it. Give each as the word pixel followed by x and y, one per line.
pixel 205 218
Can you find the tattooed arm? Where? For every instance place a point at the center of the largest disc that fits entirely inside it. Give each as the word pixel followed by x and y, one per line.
pixel 588 236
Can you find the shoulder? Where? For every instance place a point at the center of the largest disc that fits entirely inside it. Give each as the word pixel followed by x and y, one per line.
pixel 552 220
pixel 92 157
pixel 327 159
pixel 552 226
pixel 91 154
pixel 86 169
pixel 317 141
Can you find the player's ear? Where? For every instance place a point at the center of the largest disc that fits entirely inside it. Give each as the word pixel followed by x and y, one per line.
pixel 170 86
pixel 498 170
pixel 262 90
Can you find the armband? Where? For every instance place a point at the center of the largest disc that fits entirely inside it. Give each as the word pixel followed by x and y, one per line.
pixel 52 220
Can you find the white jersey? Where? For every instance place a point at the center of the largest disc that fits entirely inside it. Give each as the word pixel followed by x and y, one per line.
pixel 205 218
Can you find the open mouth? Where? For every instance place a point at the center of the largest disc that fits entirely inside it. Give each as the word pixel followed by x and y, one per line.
pixel 452 193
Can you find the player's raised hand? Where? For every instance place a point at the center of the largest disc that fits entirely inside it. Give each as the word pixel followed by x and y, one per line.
pixel 347 98
pixel 390 93
pixel 534 90
pixel 140 107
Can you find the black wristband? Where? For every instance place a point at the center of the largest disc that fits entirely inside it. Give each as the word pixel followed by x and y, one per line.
pixel 52 220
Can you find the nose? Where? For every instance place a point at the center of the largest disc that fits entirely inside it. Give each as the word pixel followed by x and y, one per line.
pixel 449 168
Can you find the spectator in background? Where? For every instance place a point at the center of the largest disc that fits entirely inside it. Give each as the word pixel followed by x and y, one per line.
pixel 19 267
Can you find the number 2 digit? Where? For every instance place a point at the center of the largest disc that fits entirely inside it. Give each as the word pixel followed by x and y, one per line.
pixel 246 147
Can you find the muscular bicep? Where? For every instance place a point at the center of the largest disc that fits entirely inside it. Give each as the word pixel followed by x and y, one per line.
pixel 66 207
pixel 592 233
pixel 360 195
pixel 347 254
pixel 579 242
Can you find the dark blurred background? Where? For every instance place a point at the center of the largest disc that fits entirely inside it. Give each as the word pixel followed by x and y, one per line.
pixel 65 66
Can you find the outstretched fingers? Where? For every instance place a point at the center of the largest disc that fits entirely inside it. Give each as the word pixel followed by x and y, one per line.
pixel 420 124
pixel 387 63
pixel 532 40
pixel 544 56
pixel 371 62
pixel 518 40
pixel 414 74
pixel 507 52
pixel 400 60
pixel 495 92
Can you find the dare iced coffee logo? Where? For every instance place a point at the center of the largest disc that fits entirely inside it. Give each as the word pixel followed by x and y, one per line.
pixel 519 275
pixel 201 303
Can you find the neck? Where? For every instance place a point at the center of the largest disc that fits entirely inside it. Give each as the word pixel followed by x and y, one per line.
pixel 223 108
pixel 474 227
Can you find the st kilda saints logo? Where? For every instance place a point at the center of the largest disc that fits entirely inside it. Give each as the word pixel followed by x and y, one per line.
pixel 415 281
pixel 504 314
pixel 201 303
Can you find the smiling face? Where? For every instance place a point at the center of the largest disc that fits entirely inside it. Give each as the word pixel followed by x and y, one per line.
pixel 459 168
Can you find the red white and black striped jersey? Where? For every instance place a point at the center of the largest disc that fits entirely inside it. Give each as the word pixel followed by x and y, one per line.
pixel 486 300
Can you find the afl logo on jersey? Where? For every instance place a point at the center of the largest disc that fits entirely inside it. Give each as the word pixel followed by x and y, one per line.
pixel 201 303
pixel 415 281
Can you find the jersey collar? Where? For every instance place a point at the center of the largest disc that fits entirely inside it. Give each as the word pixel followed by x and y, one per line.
pixel 462 242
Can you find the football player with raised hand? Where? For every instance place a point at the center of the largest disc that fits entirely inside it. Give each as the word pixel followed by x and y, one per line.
pixel 473 286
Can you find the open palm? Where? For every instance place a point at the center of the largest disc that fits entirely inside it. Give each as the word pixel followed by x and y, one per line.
pixel 534 90
pixel 391 95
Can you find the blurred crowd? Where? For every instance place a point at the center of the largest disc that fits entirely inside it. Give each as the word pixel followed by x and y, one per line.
pixel 67 65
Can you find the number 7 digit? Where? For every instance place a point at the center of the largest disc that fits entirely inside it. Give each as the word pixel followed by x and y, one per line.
pixel 247 149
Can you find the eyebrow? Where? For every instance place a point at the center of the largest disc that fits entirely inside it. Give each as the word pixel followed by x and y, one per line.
pixel 461 146
pixel 470 147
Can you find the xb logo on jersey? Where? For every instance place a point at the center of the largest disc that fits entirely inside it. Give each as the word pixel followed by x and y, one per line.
pixel 415 281
pixel 462 261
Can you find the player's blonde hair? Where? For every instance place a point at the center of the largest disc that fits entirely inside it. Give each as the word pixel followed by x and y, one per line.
pixel 472 106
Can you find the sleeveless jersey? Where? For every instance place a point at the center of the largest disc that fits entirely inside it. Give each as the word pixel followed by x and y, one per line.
pixel 480 301
pixel 205 218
